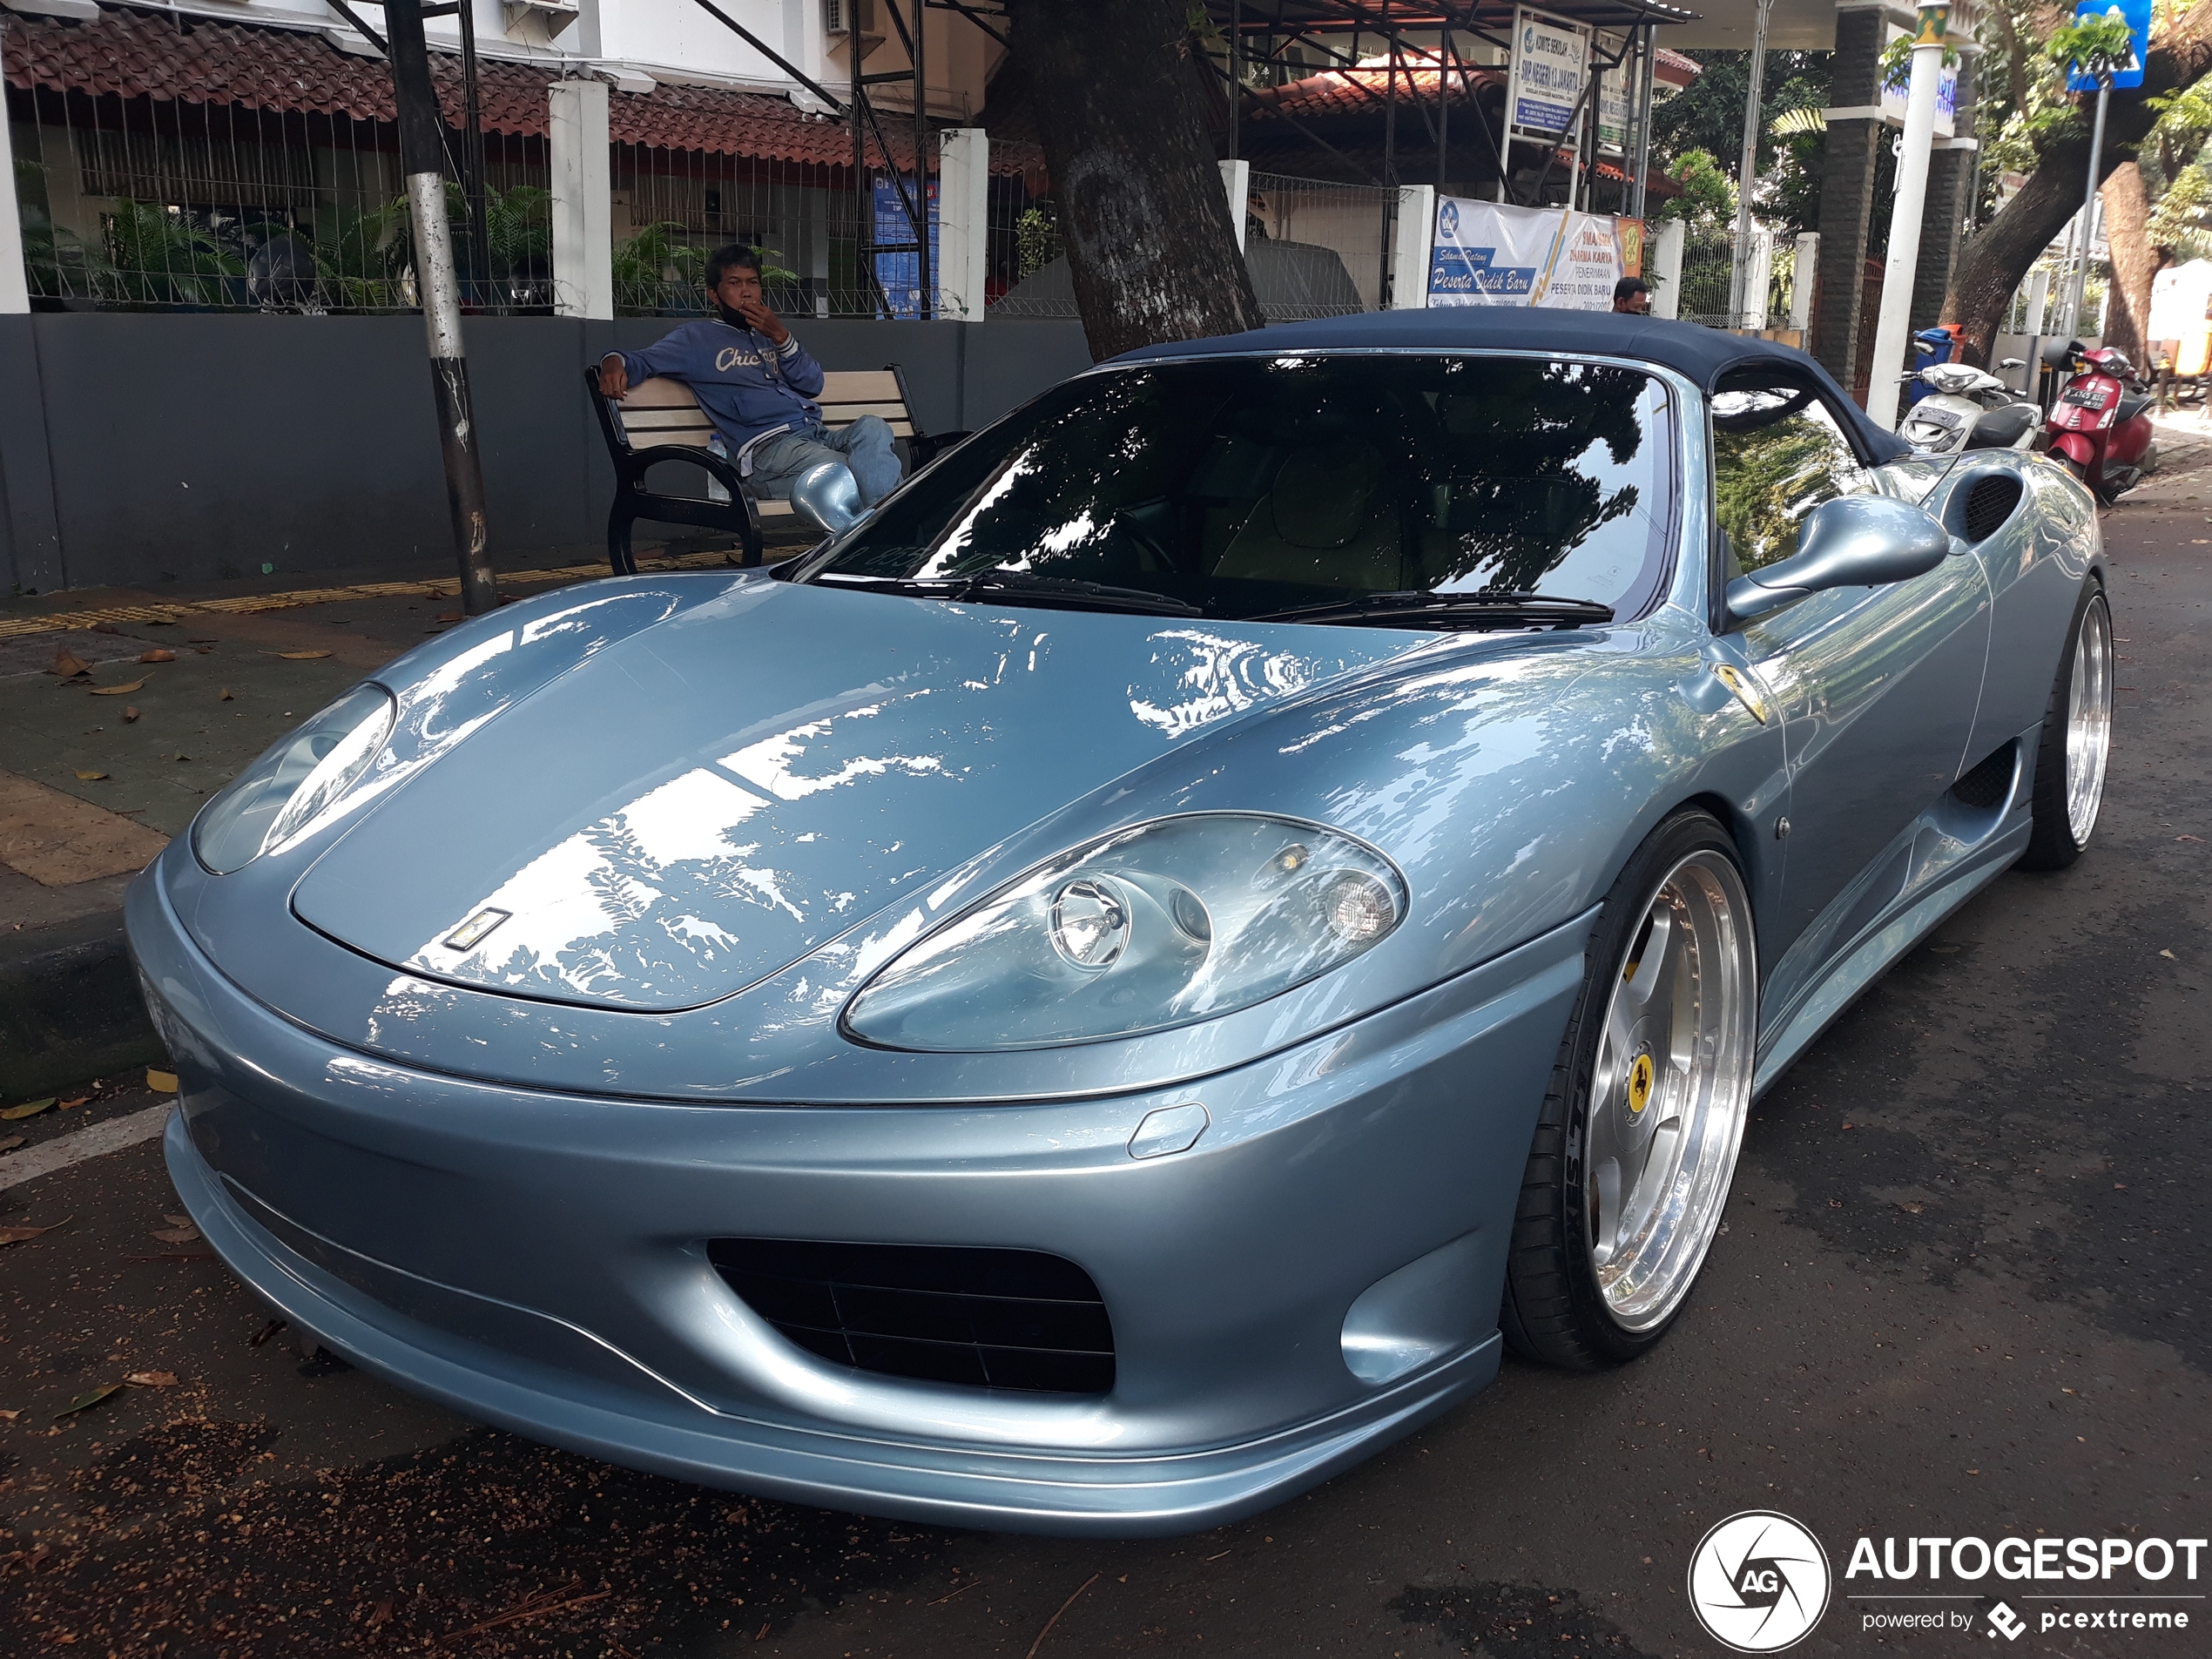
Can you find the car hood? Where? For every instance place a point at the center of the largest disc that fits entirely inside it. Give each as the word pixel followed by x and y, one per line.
pixel 710 800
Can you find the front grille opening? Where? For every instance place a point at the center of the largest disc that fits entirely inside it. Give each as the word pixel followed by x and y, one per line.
pixel 1990 500
pixel 985 1318
pixel 1989 783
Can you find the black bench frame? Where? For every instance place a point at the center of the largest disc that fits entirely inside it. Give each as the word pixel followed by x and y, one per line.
pixel 737 516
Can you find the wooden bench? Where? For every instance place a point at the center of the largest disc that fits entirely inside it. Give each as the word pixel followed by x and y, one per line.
pixel 659 421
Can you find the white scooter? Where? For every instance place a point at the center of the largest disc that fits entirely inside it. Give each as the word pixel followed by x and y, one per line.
pixel 1970 408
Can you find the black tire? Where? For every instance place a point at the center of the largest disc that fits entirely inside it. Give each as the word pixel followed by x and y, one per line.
pixel 2053 843
pixel 1554 1309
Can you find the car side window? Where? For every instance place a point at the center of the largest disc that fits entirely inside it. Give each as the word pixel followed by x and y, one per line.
pixel 1779 452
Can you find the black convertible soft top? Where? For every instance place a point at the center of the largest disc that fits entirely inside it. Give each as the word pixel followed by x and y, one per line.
pixel 1702 356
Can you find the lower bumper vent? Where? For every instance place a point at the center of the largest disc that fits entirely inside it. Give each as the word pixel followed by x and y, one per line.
pixel 989 1318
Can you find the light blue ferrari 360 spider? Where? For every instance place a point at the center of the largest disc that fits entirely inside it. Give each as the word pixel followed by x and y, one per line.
pixel 1122 983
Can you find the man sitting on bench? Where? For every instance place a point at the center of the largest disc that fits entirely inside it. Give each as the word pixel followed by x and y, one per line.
pixel 758 384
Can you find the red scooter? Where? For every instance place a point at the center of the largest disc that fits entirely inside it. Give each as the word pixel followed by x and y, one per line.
pixel 2101 429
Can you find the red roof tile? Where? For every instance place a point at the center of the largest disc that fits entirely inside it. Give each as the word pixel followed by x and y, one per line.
pixel 1353 91
pixel 133 54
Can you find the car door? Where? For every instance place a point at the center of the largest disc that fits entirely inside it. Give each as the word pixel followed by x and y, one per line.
pixel 1876 686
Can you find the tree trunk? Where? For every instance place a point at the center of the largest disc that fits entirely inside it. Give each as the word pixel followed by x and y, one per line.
pixel 2133 263
pixel 1994 259
pixel 1150 245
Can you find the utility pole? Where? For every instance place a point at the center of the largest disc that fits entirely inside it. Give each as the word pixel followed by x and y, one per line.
pixel 1747 172
pixel 2102 69
pixel 423 160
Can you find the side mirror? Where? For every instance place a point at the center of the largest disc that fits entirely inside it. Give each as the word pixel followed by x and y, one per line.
pixel 2014 362
pixel 1852 542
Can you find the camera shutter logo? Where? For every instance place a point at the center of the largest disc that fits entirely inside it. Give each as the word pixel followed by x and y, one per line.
pixel 1759 1582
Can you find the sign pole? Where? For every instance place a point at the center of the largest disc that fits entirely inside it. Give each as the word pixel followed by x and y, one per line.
pixel 2080 288
pixel 1746 170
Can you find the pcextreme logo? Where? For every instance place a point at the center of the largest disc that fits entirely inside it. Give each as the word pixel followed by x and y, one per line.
pixel 1759 1582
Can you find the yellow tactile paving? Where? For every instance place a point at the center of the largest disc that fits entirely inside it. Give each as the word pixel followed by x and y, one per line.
pixel 444 588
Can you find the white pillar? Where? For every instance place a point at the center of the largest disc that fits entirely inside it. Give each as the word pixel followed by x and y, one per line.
pixel 1666 268
pixel 15 283
pixel 963 221
pixel 584 276
pixel 1409 253
pixel 1237 184
pixel 2038 300
pixel 1802 272
pixel 1758 278
pixel 1896 319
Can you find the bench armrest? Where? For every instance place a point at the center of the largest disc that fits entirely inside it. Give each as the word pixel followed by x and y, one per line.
pixel 925 450
pixel 720 466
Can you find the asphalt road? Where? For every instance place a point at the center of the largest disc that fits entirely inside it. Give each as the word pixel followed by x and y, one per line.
pixel 1961 1291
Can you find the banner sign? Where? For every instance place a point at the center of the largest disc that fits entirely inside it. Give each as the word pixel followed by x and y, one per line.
pixel 1551 60
pixel 901 274
pixel 1894 99
pixel 1486 254
pixel 2137 15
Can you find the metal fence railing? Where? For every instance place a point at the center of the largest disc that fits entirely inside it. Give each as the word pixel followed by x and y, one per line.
pixel 1709 269
pixel 142 204
pixel 1317 249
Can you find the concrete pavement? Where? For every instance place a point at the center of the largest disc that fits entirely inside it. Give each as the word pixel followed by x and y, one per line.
pixel 1961 1291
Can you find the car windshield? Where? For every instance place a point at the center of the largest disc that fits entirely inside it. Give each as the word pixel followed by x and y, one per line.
pixel 1243 487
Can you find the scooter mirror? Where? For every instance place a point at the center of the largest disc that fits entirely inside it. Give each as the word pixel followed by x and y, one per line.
pixel 2014 362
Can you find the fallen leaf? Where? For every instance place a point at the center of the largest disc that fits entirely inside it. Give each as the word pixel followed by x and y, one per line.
pixel 117 691
pixel 224 695
pixel 2119 1186
pixel 177 1221
pixel 296 656
pixel 181 755
pixel 105 628
pixel 160 621
pixel 85 1402
pixel 92 777
pixel 1911 1207
pixel 68 665
pixel 130 712
pixel 17 1234
pixel 203 639
pixel 29 1109
pixel 12 1142
pixel 157 656
pixel 162 1083
pixel 2199 839
pixel 79 1101
pixel 264 1333
pixel 2168 954
pixel 382 1613
pixel 8 1417
pixel 449 616
pixel 177 1235
pixel 205 650
pixel 152 1379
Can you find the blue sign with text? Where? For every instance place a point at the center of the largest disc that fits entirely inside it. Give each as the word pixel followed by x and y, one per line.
pixel 2137 15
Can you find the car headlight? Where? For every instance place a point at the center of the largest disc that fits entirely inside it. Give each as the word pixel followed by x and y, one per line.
pixel 278 797
pixel 1169 922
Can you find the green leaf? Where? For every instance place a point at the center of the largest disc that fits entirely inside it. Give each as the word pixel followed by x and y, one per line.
pixel 29 1109
pixel 85 1402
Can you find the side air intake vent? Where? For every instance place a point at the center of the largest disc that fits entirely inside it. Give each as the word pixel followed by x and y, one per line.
pixel 989 1318
pixel 1990 500
pixel 1988 784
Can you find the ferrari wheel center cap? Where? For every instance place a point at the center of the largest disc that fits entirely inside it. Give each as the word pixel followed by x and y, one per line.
pixel 1640 1082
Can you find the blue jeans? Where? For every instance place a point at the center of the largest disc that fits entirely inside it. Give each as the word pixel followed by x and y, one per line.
pixel 864 447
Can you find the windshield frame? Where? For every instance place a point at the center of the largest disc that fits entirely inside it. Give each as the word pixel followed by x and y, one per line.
pixel 1685 415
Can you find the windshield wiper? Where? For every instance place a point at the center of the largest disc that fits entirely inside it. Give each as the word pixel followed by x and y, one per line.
pixel 1022 584
pixel 1444 610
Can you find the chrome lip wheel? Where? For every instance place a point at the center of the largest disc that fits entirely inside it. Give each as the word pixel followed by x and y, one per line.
pixel 1671 1090
pixel 2088 720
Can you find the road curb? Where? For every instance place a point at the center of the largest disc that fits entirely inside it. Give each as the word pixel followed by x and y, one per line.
pixel 69 1008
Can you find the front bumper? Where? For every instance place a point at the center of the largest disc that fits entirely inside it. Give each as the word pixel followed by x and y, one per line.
pixel 538 1260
